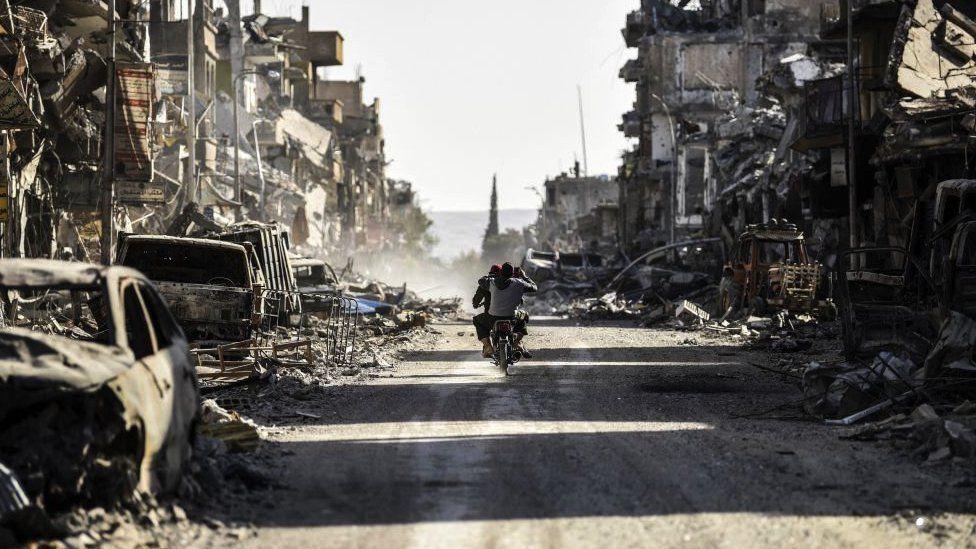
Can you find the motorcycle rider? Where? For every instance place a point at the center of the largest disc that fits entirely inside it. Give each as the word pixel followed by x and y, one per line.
pixel 506 292
pixel 483 297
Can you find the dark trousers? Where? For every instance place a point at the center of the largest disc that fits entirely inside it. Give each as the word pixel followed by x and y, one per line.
pixel 484 323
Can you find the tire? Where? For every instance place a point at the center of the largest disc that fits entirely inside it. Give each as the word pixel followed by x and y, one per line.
pixel 503 356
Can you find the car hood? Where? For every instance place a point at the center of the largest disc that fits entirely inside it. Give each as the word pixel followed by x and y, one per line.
pixel 35 366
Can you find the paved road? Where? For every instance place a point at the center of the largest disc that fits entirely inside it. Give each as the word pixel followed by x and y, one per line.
pixel 613 437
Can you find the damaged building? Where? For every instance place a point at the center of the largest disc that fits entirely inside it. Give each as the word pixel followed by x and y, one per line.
pixel 578 213
pixel 842 125
pixel 697 64
pixel 269 137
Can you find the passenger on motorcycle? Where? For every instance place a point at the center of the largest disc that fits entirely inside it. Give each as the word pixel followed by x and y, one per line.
pixel 506 292
pixel 482 297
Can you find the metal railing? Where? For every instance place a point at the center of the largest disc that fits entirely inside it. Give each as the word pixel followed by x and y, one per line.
pixel 339 322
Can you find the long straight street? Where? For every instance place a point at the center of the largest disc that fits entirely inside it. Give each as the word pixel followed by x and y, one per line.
pixel 612 436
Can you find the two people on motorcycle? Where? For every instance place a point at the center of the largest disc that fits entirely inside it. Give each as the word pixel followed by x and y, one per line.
pixel 501 292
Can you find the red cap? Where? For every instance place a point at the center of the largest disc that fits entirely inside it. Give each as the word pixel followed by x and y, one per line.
pixel 495 269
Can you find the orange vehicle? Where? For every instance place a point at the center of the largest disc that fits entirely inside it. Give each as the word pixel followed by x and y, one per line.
pixel 772 271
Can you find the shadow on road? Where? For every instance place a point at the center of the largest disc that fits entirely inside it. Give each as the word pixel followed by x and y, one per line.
pixel 650 355
pixel 608 474
pixel 595 432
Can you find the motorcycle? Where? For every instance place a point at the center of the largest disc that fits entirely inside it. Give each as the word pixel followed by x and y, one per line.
pixel 503 341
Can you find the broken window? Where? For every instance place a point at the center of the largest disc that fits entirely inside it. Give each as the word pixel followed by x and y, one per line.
pixel 161 320
pixel 139 333
pixel 78 313
pixel 310 275
pixel 769 252
pixel 166 261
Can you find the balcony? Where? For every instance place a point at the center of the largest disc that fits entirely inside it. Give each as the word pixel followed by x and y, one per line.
pixel 631 125
pixel 634 31
pixel 324 48
pixel 631 71
pixel 326 111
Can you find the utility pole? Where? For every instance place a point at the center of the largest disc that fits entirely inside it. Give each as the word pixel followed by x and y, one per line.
pixel 852 104
pixel 192 192
pixel 586 164
pixel 236 70
pixel 108 148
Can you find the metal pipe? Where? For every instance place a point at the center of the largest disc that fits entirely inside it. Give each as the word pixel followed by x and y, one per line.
pixel 262 201
pixel 852 104
pixel 108 177
pixel 238 191
pixel 194 192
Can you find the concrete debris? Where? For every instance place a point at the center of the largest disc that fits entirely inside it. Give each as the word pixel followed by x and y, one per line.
pixel 931 437
pixel 689 310
pixel 239 434
pixel 842 390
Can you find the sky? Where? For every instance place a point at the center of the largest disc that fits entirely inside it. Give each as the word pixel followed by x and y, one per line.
pixel 472 88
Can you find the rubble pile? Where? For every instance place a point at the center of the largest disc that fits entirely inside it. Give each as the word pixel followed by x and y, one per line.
pixel 648 289
pixel 403 307
pixel 931 434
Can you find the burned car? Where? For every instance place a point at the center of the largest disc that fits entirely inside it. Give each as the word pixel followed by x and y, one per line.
pixel 771 270
pixel 213 288
pixel 673 271
pixel 882 293
pixel 98 397
pixel 317 283
pixel 565 266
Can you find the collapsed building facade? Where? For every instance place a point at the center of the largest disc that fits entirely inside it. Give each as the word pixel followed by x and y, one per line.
pixel 269 137
pixel 747 112
pixel 578 212
pixel 696 77
pixel 836 134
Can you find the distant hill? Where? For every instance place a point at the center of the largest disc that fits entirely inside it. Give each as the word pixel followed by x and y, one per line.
pixel 460 232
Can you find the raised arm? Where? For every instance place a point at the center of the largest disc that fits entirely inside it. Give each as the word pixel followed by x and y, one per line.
pixel 530 286
pixel 482 293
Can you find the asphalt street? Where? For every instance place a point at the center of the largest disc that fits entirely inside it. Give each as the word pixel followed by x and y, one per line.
pixel 611 437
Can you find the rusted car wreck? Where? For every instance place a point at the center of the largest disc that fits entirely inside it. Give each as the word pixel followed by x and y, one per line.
pixel 771 270
pixel 97 395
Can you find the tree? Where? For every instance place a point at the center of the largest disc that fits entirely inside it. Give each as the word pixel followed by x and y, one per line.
pixel 508 246
pixel 491 233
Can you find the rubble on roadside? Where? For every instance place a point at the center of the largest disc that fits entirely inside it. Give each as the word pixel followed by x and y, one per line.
pixel 931 433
